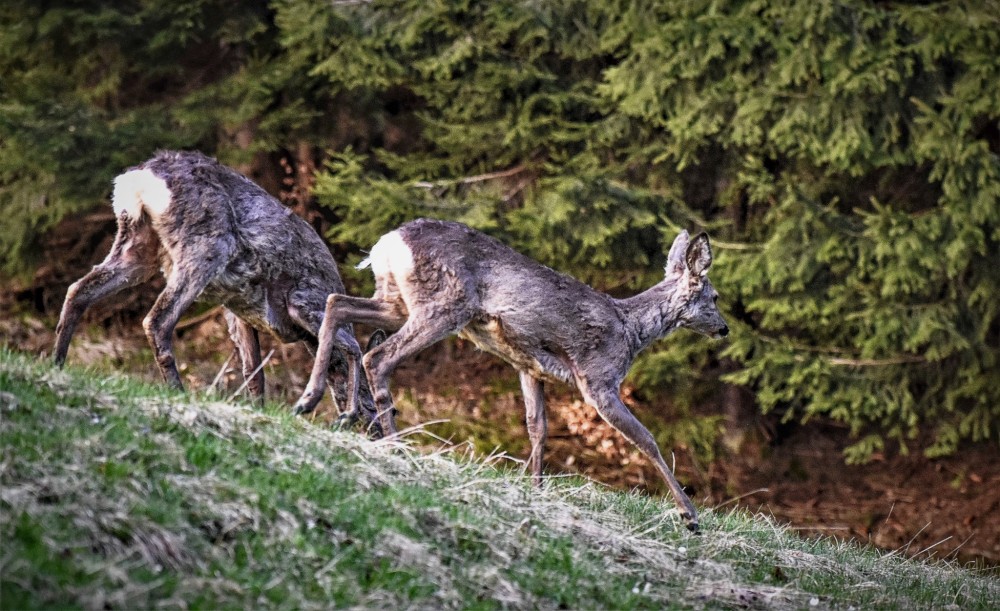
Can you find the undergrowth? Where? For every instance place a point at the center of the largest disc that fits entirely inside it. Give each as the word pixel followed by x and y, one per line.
pixel 119 494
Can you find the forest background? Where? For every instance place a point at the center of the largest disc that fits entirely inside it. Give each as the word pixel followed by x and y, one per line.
pixel 843 156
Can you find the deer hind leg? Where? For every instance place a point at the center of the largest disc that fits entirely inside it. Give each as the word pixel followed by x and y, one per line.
pixel 609 405
pixel 132 261
pixel 417 334
pixel 247 343
pixel 344 310
pixel 195 266
pixel 534 404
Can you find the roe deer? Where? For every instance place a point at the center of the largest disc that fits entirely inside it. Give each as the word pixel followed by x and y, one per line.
pixel 218 237
pixel 435 278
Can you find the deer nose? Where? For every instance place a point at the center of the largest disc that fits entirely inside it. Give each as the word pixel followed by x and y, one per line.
pixel 724 331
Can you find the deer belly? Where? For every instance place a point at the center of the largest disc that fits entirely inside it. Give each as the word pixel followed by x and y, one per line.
pixel 489 336
pixel 259 309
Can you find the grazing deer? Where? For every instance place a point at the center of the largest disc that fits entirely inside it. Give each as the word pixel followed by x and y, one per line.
pixel 436 278
pixel 219 237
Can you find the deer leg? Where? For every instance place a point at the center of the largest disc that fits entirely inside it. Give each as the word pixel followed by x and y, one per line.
pixel 184 285
pixel 355 393
pixel 247 343
pixel 609 405
pixel 132 261
pixel 365 401
pixel 337 372
pixel 346 343
pixel 343 352
pixel 534 404
pixel 411 338
pixel 340 310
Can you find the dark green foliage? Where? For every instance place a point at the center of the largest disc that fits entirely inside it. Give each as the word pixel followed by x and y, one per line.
pixel 90 88
pixel 843 156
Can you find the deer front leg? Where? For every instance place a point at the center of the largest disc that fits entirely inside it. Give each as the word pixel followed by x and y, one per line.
pixel 325 327
pixel 609 405
pixel 366 403
pixel 340 310
pixel 345 341
pixel 534 405
pixel 247 343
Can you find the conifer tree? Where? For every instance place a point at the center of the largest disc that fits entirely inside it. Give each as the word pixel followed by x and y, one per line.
pixel 843 155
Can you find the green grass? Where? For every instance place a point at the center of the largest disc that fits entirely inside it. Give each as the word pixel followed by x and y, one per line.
pixel 119 494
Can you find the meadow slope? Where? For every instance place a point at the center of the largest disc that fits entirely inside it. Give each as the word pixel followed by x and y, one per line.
pixel 119 494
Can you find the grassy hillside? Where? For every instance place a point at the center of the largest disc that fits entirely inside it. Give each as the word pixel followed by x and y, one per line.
pixel 117 494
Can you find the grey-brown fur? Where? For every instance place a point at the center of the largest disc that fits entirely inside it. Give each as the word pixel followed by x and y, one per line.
pixel 222 240
pixel 549 326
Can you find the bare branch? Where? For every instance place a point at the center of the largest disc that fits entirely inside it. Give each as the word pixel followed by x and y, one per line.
pixel 898 360
pixel 468 180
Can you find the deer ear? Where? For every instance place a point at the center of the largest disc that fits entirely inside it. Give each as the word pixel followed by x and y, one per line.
pixel 675 260
pixel 699 255
pixel 376 339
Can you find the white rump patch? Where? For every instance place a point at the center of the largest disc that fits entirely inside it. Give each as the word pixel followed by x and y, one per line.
pixel 138 190
pixel 390 255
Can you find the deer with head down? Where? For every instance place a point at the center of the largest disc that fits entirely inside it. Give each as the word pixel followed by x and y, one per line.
pixel 219 238
pixel 436 278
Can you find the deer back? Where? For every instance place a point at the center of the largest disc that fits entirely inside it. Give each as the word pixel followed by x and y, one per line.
pixel 531 315
pixel 202 210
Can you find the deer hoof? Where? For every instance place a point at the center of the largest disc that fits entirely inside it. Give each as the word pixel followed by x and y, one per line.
pixel 350 419
pixel 374 430
pixel 345 421
pixel 307 402
pixel 301 409
pixel 690 521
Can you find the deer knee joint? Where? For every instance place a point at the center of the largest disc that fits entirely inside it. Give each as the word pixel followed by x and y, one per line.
pixel 149 326
pixel 371 361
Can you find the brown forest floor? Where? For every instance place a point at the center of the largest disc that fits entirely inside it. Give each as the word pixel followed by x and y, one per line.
pixel 945 508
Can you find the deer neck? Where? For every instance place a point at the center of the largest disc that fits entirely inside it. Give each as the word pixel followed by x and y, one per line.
pixel 653 313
